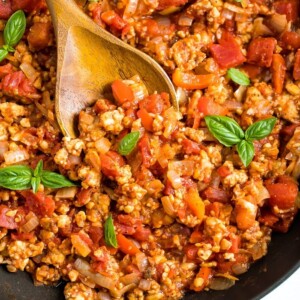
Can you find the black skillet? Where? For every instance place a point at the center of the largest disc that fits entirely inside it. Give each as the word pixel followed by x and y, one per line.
pixel 282 260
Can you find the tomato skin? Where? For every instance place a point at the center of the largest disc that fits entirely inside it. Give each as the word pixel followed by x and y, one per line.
pixel 126 245
pixel 296 71
pixel 6 221
pixel 208 107
pixel 110 163
pixel 144 148
pixel 260 51
pixel 227 53
pixel 283 193
pixel 122 92
pixel 190 147
pixel 39 203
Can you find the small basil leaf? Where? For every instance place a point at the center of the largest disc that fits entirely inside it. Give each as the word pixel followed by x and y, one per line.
pixel 35 183
pixel 15 28
pixel 16 177
pixel 109 233
pixel 3 54
pixel 246 152
pixel 238 77
pixel 128 142
pixel 54 180
pixel 260 129
pixel 38 169
pixel 226 130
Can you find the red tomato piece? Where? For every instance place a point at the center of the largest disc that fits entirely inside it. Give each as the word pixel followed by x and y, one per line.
pixel 144 148
pixel 283 193
pixel 260 51
pixel 162 4
pixel 278 70
pixel 251 70
pixel 39 36
pixel 22 236
pixel 39 203
pixel 290 39
pixel 112 19
pixel 5 9
pixel 296 71
pixel 96 234
pixel 5 70
pixel 110 163
pixel 16 84
pixel 153 104
pixel 228 52
pixel 122 92
pixel 28 5
pixel 190 147
pixel 6 221
pixel 215 194
pixel 191 252
pixel 223 171
pixel 96 14
pixel 142 234
pixel 290 8
pixel 208 107
pixel 146 119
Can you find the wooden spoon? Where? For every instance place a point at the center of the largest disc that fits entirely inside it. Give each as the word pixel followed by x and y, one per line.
pixel 89 59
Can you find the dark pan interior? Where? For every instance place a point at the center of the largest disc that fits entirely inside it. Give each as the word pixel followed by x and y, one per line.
pixel 281 261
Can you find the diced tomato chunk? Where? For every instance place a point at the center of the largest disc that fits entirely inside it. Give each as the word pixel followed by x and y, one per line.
pixel 209 107
pixel 228 52
pixel 6 221
pixel 252 70
pixel 268 219
pixel 296 71
pixel 5 9
pixel 28 5
pixel 122 92
pixel 290 39
pixel 39 203
pixel 110 163
pixel 96 234
pixel 290 8
pixel 22 236
pixel 190 147
pixel 223 171
pixel 142 234
pixel 96 14
pixel 260 51
pixel 5 70
pixel 191 252
pixel 215 194
pixel 16 84
pixel 162 4
pixel 111 18
pixel 153 104
pixel 283 193
pixel 144 148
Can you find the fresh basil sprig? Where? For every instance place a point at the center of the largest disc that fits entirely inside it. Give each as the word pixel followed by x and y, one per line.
pixel 23 178
pixel 229 133
pixel 109 233
pixel 128 142
pixel 13 32
pixel 238 77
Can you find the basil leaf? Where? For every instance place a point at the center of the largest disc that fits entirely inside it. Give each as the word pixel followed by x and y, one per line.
pixel 35 183
pixel 246 152
pixel 54 180
pixel 109 233
pixel 16 177
pixel 3 54
pixel 238 77
pixel 128 142
pixel 39 168
pixel 260 129
pixel 226 130
pixel 15 28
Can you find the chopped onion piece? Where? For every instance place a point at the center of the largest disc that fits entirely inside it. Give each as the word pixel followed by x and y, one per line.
pixel 168 206
pixel 163 21
pixel 144 285
pixel 130 9
pixel 240 268
pixel 260 29
pixel 141 261
pixel 15 156
pixel 67 192
pixel 185 20
pixel 277 23
pixel 240 92
pixel 29 71
pixel 119 293
pixel 130 278
pixel 84 268
pixel 103 296
pixel 174 178
pixel 102 145
pixel 32 223
pixel 183 167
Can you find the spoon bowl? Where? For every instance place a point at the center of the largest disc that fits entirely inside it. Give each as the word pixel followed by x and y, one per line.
pixel 89 59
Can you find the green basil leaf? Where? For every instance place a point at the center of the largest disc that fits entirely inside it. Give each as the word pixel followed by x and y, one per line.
pixel 128 142
pixel 39 168
pixel 238 77
pixel 35 183
pixel 109 233
pixel 3 54
pixel 246 152
pixel 15 28
pixel 16 177
pixel 226 130
pixel 54 180
pixel 260 129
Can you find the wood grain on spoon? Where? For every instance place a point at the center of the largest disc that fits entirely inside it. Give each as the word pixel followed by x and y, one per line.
pixel 89 59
